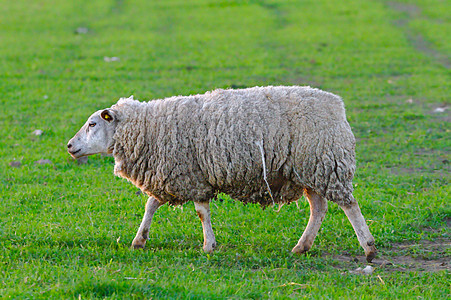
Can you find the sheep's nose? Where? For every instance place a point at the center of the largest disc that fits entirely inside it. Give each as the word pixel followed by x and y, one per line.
pixel 69 146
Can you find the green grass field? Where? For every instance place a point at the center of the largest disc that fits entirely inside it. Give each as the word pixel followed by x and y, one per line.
pixel 65 228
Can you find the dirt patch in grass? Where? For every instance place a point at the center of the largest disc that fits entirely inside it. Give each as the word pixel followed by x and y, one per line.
pixel 402 171
pixel 423 256
pixel 411 11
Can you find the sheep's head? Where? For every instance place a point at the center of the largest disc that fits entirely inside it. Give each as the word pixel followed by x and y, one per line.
pixel 96 136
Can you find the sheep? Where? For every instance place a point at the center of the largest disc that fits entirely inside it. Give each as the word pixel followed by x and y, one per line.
pixel 261 145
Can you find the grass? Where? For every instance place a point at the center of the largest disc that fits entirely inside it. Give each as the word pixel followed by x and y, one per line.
pixel 65 229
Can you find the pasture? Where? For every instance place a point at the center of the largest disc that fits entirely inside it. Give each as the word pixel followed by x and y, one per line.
pixel 66 228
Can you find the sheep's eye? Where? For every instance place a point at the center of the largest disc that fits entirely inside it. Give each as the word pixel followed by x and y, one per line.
pixel 92 124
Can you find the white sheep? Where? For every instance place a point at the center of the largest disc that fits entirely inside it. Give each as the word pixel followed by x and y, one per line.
pixel 261 145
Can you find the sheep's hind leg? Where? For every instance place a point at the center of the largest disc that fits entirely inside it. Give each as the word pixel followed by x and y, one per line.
pixel 203 211
pixel 143 232
pixel 318 209
pixel 361 229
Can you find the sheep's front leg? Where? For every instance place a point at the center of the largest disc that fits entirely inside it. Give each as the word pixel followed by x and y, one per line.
pixel 361 229
pixel 318 209
pixel 143 232
pixel 203 211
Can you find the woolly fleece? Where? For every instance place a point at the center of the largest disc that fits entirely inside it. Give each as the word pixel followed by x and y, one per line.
pixel 187 148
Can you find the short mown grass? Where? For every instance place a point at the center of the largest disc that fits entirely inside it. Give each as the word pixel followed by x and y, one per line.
pixel 65 228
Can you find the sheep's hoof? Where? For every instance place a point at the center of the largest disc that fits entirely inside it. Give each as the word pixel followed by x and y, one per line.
pixel 137 246
pixel 300 249
pixel 138 243
pixel 370 255
pixel 209 248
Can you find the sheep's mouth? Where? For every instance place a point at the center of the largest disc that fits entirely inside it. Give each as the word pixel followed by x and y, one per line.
pixel 74 152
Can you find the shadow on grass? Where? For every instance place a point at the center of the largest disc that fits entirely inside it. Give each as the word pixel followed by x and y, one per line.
pixel 134 288
pixel 84 243
pixel 178 251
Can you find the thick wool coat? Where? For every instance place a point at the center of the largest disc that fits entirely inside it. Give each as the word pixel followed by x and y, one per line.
pixel 260 145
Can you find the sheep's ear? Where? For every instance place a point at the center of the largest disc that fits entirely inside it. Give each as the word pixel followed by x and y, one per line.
pixel 107 115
